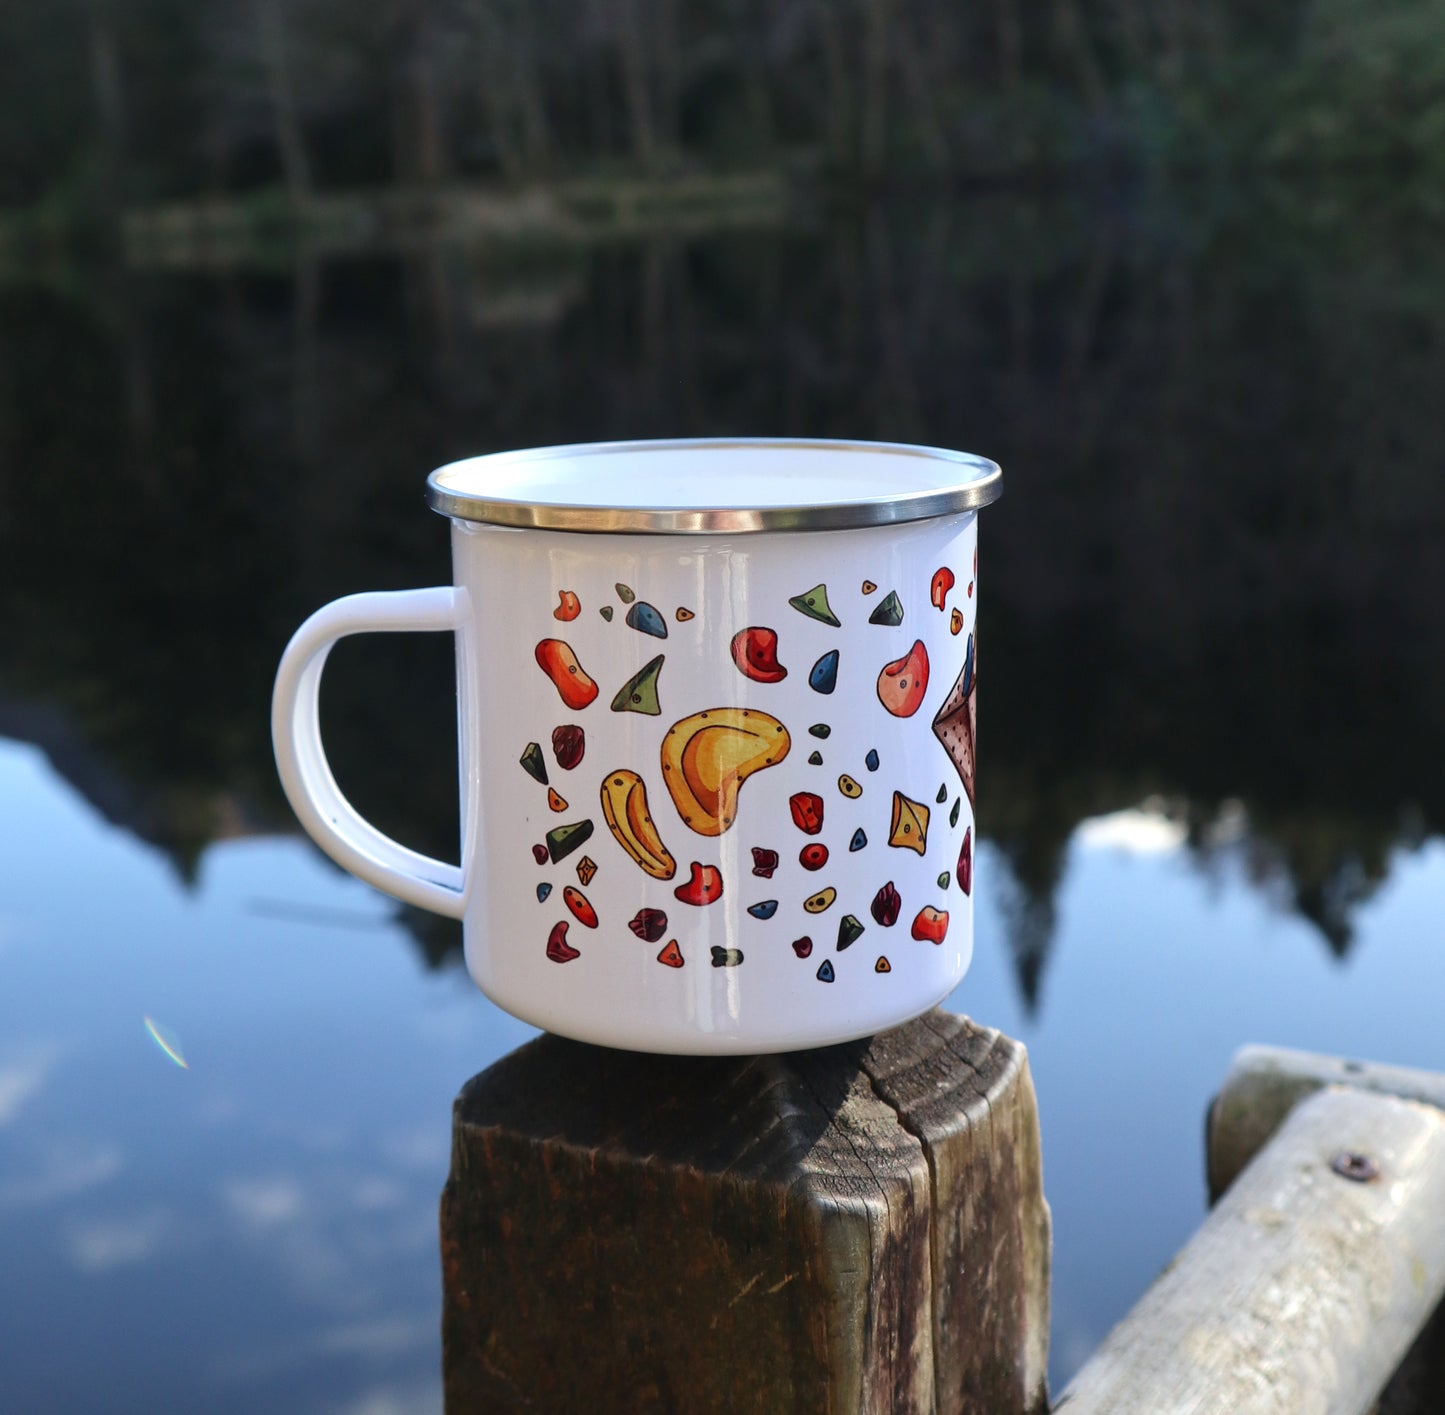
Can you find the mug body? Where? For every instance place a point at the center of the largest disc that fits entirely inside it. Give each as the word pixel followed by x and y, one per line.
pixel 717 788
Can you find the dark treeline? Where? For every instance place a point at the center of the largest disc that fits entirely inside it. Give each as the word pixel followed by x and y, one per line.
pixel 1215 577
pixel 143 100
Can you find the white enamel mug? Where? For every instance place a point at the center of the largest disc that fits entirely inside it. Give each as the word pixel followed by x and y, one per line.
pixel 716 706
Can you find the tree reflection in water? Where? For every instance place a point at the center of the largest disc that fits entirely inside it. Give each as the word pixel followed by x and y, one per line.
pixel 1214 578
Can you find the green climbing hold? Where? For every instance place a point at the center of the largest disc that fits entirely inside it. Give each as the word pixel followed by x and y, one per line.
pixel 942 794
pixel 639 693
pixel 890 612
pixel 606 612
pixel 819 729
pixel 943 880
pixel 624 592
pixel 567 838
pixel 816 759
pixel 849 932
pixel 815 605
pixel 534 763
pixel 953 814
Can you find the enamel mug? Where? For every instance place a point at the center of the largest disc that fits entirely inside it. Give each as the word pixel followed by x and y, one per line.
pixel 716 706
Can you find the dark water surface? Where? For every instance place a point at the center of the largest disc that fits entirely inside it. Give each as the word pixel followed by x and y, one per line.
pixel 1213 791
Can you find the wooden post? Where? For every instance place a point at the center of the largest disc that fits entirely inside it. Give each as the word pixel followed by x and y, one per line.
pixel 1266 1083
pixel 1306 1284
pixel 1263 1086
pixel 860 1228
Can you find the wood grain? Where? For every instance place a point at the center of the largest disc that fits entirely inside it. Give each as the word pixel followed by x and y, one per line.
pixel 1303 1289
pixel 858 1228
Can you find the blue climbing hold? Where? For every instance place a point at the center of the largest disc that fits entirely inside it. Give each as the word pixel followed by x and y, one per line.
pixel 824 677
pixel 646 620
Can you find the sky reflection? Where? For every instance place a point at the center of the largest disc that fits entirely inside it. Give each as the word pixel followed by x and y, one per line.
pixel 261 1230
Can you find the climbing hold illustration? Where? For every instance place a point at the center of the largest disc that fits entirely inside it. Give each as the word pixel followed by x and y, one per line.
pixel 671 954
pixel 533 763
pixel 902 683
pixel 683 615
pixel 628 817
pixel 813 856
pixel 815 759
pixel 850 788
pixel 814 603
pixel 886 905
pixel 639 693
pixel 938 590
pixel 823 899
pixel 942 793
pixel 871 760
pixel 803 946
pixel 965 862
pixel 564 839
pixel 869 587
pixel 606 612
pixel 555 802
pixel 823 677
pixel 825 972
pixel 909 830
pixel 930 925
pixel 558 949
pixel 955 723
pixel 849 932
pixel 704 885
pixel 726 957
pixel 570 679
pixel 755 651
pixel 648 924
pixel 955 621
pixel 953 814
pixel 708 756
pixel 624 592
pixel 543 890
pixel 943 880
pixel 807 811
pixel 586 869
pixel 581 909
pixel 646 620
pixel 568 745
pixel 539 854
pixel 764 909
pixel 568 606
pixel 764 862
pixel 882 965
pixel 819 729
pixel 858 841
pixel 889 611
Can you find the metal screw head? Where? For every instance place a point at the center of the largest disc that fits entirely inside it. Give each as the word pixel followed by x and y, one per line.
pixel 1350 1164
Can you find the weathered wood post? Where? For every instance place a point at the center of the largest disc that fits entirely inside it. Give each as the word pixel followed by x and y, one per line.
pixel 1320 1264
pixel 860 1228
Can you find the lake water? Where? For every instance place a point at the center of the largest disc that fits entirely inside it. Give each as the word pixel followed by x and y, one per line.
pixel 1212 796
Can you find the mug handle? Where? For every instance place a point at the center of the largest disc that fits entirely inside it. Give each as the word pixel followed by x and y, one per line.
pixel 328 817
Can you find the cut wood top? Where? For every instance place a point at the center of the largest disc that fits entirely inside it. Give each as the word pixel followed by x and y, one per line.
pixel 866 1221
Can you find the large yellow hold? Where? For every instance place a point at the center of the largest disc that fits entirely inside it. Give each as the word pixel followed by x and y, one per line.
pixel 707 757
pixel 624 808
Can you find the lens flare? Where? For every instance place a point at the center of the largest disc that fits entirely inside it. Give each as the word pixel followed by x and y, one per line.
pixel 167 1042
